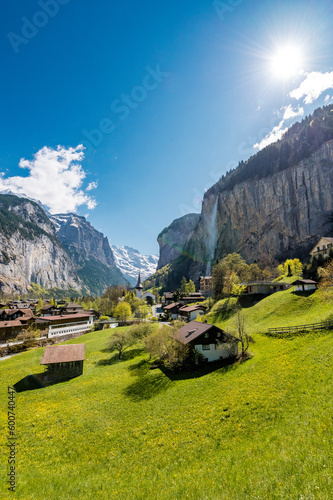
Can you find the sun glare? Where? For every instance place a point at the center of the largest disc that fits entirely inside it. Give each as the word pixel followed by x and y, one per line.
pixel 287 61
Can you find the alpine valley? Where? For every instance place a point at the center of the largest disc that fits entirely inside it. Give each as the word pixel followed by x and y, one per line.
pixel 57 251
pixel 276 204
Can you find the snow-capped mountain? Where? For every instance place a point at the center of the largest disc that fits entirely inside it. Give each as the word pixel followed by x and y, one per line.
pixel 131 262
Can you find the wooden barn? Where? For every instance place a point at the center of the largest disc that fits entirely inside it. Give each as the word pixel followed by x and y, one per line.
pixel 64 361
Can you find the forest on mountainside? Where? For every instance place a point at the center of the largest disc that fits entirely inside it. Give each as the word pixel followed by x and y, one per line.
pixel 300 141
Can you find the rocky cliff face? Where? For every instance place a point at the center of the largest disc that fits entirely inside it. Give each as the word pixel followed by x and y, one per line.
pixel 173 239
pixel 282 215
pixel 82 240
pixel 90 251
pixel 30 250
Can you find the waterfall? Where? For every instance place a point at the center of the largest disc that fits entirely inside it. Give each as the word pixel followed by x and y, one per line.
pixel 211 238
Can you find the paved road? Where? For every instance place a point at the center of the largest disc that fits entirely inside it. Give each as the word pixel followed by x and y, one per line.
pixel 157 310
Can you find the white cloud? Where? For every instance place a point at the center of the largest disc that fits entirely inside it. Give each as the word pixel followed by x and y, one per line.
pixel 92 185
pixel 313 86
pixel 55 178
pixel 276 134
pixel 289 112
pixel 273 136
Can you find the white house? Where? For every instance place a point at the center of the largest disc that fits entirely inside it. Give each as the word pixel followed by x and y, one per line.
pixel 68 324
pixel 304 285
pixel 209 340
pixel 323 246
pixel 191 312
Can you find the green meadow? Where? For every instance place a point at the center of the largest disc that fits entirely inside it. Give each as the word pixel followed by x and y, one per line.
pixel 257 430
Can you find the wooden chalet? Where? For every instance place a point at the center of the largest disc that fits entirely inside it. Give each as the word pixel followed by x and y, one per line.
pixel 15 321
pixel 210 341
pixel 172 309
pixel 190 313
pixel 63 361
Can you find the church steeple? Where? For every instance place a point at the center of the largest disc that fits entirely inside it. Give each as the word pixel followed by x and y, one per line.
pixel 139 285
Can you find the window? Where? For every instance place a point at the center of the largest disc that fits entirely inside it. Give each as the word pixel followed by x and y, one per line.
pixel 206 347
pixel 206 335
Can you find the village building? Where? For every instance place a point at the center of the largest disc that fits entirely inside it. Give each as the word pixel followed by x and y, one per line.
pixel 188 299
pixel 190 313
pixel 71 308
pixel 192 297
pixel 49 310
pixel 63 361
pixel 67 324
pixel 210 341
pixel 304 285
pixel 172 309
pixel 323 247
pixel 264 287
pixel 14 322
pixel 206 285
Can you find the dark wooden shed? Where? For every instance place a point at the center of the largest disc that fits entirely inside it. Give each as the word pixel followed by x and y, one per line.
pixel 64 361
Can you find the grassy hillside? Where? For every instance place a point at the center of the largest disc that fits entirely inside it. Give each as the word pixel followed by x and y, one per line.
pixel 285 308
pixel 257 430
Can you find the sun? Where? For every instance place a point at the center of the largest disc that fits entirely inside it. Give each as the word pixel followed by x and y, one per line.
pixel 287 61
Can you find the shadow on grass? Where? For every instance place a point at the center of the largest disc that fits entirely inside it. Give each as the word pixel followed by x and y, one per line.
pixel 140 369
pixel 220 367
pixel 126 356
pixel 37 381
pixel 306 293
pixel 148 386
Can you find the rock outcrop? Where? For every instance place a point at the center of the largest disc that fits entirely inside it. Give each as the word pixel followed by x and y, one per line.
pixel 173 239
pixel 82 240
pixel 281 215
pixel 30 251
pixel 90 251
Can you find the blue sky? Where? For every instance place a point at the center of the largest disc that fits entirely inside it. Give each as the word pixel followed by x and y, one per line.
pixel 164 96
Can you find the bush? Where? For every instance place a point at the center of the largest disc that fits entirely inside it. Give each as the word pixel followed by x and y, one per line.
pixel 14 349
pixel 3 351
pixel 141 330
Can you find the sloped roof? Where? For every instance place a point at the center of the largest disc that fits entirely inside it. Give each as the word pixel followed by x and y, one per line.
pixel 304 282
pixel 327 238
pixel 191 308
pixel 67 316
pixel 191 331
pixel 10 323
pixel 172 306
pixel 63 354
pixel 194 329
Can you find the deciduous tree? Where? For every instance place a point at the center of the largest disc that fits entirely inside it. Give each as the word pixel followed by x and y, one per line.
pixel 123 311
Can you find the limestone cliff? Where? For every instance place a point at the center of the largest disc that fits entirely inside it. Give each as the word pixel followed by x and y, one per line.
pixel 90 251
pixel 30 250
pixel 82 240
pixel 172 240
pixel 281 215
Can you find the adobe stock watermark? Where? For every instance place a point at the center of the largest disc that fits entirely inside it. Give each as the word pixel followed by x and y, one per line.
pixel 222 8
pixel 199 193
pixel 123 107
pixel 30 27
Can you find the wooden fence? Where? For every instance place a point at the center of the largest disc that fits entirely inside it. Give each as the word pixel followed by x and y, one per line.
pixel 323 325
